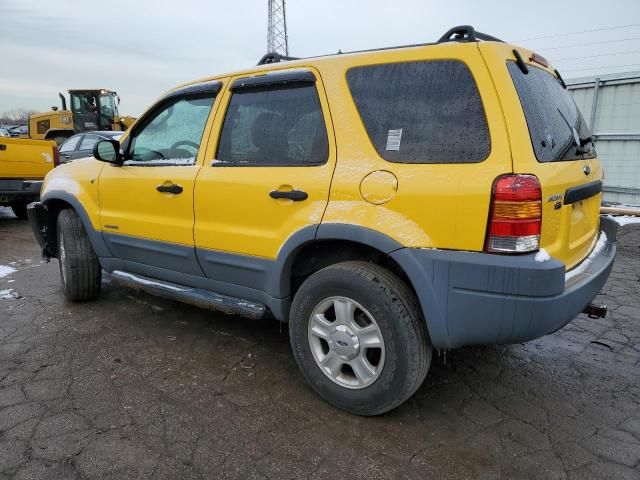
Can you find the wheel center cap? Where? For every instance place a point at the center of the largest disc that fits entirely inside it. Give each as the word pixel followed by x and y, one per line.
pixel 344 342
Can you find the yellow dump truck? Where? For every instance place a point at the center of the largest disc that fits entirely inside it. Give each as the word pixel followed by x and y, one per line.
pixel 23 165
pixel 93 109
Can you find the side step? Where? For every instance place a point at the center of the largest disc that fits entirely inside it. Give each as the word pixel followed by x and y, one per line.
pixel 193 296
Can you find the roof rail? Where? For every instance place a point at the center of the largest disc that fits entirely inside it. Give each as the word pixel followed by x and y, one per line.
pixel 274 57
pixel 466 33
pixel 461 33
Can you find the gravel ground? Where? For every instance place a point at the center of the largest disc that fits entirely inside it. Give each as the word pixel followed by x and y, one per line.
pixel 133 386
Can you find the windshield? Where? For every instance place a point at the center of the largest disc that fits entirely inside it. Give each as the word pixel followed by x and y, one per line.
pixel 556 127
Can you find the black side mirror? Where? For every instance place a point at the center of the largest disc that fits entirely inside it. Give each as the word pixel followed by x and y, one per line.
pixel 108 151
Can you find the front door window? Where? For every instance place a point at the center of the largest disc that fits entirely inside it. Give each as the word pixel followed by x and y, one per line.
pixel 172 134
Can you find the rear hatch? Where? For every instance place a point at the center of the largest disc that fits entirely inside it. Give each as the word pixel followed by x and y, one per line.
pixel 551 140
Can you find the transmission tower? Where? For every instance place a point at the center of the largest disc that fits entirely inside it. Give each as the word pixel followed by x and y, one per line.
pixel 277 31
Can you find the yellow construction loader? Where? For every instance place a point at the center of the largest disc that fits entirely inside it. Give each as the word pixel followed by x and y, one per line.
pixel 95 109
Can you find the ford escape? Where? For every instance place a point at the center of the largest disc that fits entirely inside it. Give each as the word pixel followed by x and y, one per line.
pixel 383 203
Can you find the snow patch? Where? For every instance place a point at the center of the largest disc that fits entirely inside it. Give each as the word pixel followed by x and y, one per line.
pixel 542 256
pixel 9 294
pixel 162 161
pixel 600 244
pixel 625 219
pixel 6 270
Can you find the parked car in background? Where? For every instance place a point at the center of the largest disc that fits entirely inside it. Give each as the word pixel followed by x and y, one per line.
pixel 81 145
pixel 4 132
pixel 17 131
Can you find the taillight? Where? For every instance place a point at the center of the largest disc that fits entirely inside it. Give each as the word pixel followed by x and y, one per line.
pixel 56 157
pixel 515 219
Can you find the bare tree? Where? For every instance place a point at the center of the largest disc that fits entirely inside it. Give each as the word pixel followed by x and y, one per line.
pixel 18 116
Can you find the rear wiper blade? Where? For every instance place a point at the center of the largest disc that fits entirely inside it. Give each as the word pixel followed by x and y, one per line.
pixel 585 140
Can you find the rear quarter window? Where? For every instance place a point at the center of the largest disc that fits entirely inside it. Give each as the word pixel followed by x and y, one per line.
pixel 421 112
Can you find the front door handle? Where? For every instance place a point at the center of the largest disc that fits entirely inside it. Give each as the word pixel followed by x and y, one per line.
pixel 171 188
pixel 295 195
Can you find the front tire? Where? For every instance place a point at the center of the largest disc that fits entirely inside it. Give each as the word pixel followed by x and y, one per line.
pixel 359 338
pixel 80 270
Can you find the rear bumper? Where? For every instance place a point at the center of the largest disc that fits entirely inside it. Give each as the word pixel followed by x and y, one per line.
pixel 481 299
pixel 18 190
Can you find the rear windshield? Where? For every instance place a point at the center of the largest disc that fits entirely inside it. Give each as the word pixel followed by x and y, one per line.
pixel 556 127
pixel 421 112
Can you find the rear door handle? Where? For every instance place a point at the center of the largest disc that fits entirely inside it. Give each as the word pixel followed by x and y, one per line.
pixel 3 147
pixel 66 155
pixel 172 188
pixel 295 195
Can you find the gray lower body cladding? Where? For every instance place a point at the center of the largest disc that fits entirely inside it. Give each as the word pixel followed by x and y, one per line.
pixel 467 298
pixel 483 299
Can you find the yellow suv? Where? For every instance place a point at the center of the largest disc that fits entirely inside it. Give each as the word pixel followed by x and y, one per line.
pixel 383 203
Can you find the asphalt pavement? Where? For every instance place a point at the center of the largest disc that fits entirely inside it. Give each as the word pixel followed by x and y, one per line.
pixel 134 386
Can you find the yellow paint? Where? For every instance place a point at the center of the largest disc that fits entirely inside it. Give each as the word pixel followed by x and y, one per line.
pixel 436 205
pixel 76 178
pixel 50 124
pixel 234 212
pixel 379 187
pixel 25 158
pixel 129 201
pixel 419 205
pixel 568 233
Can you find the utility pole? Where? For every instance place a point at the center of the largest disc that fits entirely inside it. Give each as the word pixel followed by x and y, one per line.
pixel 277 41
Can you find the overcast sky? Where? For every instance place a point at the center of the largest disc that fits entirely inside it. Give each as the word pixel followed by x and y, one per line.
pixel 141 48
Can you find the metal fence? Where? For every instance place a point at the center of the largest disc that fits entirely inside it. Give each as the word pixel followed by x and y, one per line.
pixel 611 106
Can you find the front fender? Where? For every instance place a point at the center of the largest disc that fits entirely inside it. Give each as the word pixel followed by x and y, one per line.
pixel 75 185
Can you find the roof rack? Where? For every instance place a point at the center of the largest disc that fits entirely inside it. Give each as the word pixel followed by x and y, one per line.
pixel 461 33
pixel 274 57
pixel 466 33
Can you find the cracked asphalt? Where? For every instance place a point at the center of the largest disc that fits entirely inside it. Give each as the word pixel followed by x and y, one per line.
pixel 133 386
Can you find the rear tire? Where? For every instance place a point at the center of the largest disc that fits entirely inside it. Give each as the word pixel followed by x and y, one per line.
pixel 20 210
pixel 330 351
pixel 80 270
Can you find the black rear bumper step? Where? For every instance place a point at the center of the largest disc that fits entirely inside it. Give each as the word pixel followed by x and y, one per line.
pixel 193 296
pixel 582 192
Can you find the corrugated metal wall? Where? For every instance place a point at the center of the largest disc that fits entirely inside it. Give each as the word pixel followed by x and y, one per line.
pixel 614 119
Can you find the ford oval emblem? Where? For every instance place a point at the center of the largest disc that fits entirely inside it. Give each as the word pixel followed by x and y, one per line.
pixel 586 170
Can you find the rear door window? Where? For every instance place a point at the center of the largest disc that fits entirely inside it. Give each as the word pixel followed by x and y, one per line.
pixel 556 127
pixel 422 112
pixel 88 142
pixel 275 125
pixel 70 145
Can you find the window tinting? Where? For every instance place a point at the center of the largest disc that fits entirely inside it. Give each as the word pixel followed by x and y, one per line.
pixel 70 145
pixel 421 112
pixel 551 115
pixel 172 134
pixel 280 125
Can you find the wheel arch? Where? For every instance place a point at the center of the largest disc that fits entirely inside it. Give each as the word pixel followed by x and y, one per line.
pixel 58 200
pixel 334 243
